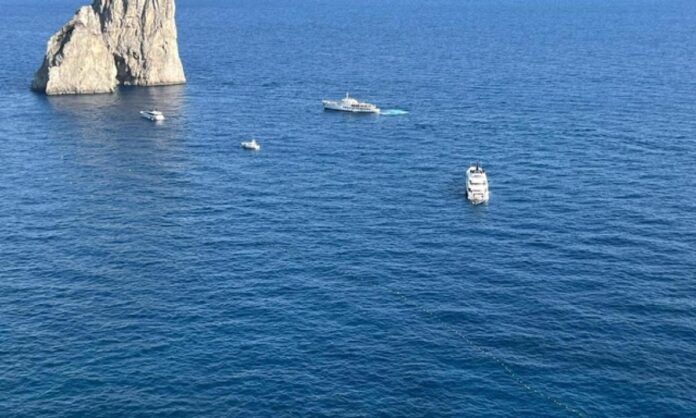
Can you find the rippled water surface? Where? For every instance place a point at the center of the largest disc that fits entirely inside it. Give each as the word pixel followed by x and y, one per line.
pixel 160 270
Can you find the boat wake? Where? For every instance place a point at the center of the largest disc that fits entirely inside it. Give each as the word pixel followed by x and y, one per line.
pixel 393 112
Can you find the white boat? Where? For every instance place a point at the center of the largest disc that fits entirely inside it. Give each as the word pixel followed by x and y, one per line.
pixel 477 185
pixel 251 145
pixel 153 115
pixel 349 104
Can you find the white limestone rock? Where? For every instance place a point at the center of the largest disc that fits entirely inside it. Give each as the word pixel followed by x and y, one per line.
pixel 111 43
pixel 78 60
pixel 143 37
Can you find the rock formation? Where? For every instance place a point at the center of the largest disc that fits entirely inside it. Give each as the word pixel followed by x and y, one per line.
pixel 111 43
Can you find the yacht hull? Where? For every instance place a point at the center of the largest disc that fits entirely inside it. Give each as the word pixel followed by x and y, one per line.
pixel 251 146
pixel 154 118
pixel 477 185
pixel 478 200
pixel 338 107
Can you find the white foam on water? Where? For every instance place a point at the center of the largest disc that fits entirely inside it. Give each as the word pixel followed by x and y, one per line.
pixel 393 112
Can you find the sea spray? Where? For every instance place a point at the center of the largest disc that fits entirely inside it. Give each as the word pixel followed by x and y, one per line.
pixel 393 112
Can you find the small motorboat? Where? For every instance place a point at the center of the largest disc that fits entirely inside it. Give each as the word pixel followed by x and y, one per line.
pixel 477 185
pixel 251 145
pixel 153 115
pixel 349 104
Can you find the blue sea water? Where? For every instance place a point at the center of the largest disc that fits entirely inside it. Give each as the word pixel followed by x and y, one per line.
pixel 159 270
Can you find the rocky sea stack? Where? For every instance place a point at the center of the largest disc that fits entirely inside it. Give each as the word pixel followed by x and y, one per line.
pixel 112 43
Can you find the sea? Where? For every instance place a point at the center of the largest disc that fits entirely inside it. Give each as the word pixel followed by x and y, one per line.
pixel 159 270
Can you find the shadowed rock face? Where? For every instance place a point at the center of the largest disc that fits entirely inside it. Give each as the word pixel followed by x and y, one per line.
pixel 111 43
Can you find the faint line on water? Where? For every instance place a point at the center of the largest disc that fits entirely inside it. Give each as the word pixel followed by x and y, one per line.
pixel 486 353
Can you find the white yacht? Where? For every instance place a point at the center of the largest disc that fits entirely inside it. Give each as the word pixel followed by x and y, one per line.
pixel 349 104
pixel 251 145
pixel 153 115
pixel 477 185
